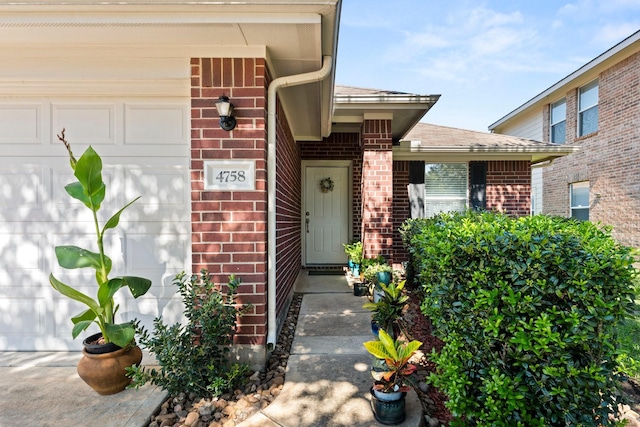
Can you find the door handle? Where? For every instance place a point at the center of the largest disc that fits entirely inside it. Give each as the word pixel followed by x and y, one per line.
pixel 306 221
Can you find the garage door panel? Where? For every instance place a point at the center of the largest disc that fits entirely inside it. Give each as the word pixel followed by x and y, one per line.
pixel 22 191
pixel 23 257
pixel 22 317
pixel 21 124
pixel 151 124
pixel 148 308
pixel 36 213
pixel 164 190
pixel 93 124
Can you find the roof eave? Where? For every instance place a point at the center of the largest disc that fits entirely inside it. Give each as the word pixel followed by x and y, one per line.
pixel 407 109
pixel 588 67
pixel 410 150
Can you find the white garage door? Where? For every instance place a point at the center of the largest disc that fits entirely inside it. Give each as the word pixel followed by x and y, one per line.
pixel 144 143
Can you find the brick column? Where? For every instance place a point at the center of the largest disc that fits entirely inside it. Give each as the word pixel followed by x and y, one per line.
pixel 229 227
pixel 377 187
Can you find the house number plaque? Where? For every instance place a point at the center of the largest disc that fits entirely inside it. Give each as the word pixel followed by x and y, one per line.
pixel 230 175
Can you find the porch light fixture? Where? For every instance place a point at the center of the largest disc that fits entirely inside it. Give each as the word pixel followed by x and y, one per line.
pixel 225 108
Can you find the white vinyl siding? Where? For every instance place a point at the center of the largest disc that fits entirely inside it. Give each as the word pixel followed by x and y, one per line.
pixel 528 126
pixel 446 187
pixel 588 108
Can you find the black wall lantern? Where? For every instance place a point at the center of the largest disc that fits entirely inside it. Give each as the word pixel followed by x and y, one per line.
pixel 225 109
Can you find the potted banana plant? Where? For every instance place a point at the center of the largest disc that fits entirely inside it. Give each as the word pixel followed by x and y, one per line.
pixel 391 373
pixel 114 346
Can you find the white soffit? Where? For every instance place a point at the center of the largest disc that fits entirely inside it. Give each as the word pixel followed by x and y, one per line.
pixel 291 35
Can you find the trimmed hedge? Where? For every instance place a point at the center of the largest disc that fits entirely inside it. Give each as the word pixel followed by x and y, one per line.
pixel 528 309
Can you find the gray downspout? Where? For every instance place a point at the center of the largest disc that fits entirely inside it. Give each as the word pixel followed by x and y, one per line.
pixel 285 81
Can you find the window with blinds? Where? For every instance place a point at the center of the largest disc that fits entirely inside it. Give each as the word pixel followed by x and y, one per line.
pixel 588 109
pixel 445 187
pixel 579 196
pixel 558 119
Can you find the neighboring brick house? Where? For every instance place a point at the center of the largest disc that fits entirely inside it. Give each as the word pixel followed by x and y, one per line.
pixel 596 108
pixel 139 81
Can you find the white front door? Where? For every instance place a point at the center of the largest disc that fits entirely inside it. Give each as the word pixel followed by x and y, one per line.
pixel 326 213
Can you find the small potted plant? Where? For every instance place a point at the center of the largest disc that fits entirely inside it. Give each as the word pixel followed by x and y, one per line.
pixel 391 381
pixel 387 311
pixel 107 353
pixel 354 252
pixel 378 272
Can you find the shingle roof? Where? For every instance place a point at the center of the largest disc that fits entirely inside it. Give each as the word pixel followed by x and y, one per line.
pixel 441 143
pixel 431 135
pixel 352 90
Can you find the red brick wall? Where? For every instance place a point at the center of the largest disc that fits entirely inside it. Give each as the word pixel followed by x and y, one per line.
pixel 288 213
pixel 608 158
pixel 377 189
pixel 508 187
pixel 229 227
pixel 341 146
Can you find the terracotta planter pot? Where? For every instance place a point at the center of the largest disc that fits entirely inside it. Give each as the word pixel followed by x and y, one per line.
pixel 105 373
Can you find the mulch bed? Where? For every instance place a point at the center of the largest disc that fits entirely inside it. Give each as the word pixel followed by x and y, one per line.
pixel 420 329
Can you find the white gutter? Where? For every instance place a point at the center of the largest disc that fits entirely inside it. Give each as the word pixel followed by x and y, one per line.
pixel 286 81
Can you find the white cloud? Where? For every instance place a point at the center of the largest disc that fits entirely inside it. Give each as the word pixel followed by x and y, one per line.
pixel 468 46
pixel 428 40
pixel 615 33
pixel 486 18
pixel 617 5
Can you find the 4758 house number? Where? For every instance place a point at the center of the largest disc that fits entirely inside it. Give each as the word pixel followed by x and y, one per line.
pixel 229 175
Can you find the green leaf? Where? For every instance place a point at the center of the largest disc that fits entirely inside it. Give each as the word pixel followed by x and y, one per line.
pixel 89 174
pixel 76 191
pixel 115 219
pixel 388 343
pixel 138 286
pixel 377 349
pixel 79 327
pixel 72 257
pixel 89 315
pixel 108 289
pixel 121 334
pixel 69 292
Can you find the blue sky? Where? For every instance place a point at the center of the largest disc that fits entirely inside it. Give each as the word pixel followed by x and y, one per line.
pixel 485 58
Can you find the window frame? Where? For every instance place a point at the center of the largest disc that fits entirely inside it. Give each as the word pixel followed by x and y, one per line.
pixel 595 83
pixel 572 208
pixel 427 199
pixel 552 124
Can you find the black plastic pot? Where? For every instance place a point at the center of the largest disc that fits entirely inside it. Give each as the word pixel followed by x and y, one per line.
pixel 93 348
pixel 388 412
pixel 360 289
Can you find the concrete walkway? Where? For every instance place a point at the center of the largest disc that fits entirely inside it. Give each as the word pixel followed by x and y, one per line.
pixel 43 389
pixel 327 380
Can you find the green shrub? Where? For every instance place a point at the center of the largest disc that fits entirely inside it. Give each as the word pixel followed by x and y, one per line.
pixel 629 350
pixel 409 229
pixel 193 358
pixel 529 310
